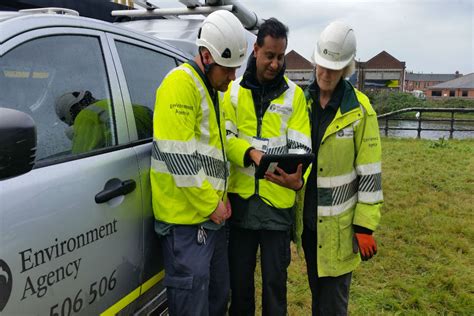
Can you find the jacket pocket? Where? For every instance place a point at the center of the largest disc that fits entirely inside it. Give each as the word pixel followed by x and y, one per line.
pixel 346 233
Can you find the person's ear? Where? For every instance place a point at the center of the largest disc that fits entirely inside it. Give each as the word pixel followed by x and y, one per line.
pixel 255 49
pixel 207 57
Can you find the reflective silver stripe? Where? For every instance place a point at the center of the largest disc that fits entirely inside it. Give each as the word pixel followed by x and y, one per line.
pixel 298 142
pixel 204 126
pixel 371 197
pixel 189 169
pixel 343 193
pixel 372 168
pixel 231 129
pixel 287 102
pixel 234 92
pixel 331 182
pixel 370 183
pixel 178 162
pixel 101 112
pixel 337 209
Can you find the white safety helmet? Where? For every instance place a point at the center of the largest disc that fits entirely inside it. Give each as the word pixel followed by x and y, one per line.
pixel 224 36
pixel 336 46
pixel 70 104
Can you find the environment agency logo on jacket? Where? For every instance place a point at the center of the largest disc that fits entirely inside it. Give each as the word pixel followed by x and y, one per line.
pixel 5 284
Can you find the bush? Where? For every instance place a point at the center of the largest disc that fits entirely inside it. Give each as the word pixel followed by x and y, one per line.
pixel 384 101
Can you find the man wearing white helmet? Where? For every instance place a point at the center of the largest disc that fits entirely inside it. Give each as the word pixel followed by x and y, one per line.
pixel 265 114
pixel 189 169
pixel 88 120
pixel 343 193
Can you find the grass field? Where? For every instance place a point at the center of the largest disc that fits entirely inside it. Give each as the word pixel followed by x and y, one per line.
pixel 425 262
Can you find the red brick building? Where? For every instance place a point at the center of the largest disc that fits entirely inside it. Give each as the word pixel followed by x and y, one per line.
pixel 383 71
pixel 299 69
pixel 462 87
pixel 414 81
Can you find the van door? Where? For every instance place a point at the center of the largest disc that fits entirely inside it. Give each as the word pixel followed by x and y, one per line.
pixel 142 68
pixel 71 229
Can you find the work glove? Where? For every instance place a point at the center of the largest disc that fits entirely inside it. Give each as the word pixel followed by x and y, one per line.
pixel 366 244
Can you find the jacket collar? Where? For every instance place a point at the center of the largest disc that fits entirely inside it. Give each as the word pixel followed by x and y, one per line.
pixel 344 96
pixel 204 78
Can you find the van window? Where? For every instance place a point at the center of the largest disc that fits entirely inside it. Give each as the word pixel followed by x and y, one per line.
pixel 144 70
pixel 61 82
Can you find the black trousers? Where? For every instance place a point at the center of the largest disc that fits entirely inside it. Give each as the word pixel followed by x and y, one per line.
pixel 330 295
pixel 274 259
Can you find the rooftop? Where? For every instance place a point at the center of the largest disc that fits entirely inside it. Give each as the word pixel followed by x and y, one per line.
pixel 431 77
pixel 464 82
pixel 295 61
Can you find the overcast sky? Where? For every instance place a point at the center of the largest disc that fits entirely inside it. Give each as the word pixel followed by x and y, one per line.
pixel 431 36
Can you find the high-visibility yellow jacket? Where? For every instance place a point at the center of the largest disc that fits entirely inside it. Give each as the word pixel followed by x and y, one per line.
pixel 188 166
pixel 349 182
pixel 285 125
pixel 91 129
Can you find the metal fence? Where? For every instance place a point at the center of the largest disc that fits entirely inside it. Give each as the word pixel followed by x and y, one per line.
pixel 419 117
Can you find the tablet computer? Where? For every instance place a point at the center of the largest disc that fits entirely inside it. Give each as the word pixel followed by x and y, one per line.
pixel 287 162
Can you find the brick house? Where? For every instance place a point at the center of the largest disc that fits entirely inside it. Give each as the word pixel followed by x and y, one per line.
pixel 383 71
pixel 416 81
pixel 462 87
pixel 299 69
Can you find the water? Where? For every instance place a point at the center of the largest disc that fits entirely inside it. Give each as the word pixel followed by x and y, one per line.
pixel 427 134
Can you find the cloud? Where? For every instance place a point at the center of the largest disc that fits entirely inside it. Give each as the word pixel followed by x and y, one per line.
pixel 429 35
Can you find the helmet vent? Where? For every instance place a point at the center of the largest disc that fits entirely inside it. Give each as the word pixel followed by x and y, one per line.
pixel 226 53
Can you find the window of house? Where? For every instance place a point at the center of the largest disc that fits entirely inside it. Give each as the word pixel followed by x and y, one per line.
pixel 464 93
pixel 61 82
pixel 436 93
pixel 452 93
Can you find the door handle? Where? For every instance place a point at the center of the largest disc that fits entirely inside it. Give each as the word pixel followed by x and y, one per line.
pixel 113 188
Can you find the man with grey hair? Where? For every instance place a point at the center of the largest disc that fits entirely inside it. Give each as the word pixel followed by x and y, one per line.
pixel 343 194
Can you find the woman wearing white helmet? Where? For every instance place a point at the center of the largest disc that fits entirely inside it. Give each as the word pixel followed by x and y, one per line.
pixel 343 193
pixel 189 170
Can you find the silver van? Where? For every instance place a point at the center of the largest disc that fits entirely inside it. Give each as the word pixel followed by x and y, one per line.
pixel 76 223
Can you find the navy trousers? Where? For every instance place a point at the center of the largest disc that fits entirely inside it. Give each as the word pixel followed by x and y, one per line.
pixel 196 275
pixel 330 295
pixel 274 259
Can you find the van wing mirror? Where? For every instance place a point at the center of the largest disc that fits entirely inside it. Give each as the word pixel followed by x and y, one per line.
pixel 17 143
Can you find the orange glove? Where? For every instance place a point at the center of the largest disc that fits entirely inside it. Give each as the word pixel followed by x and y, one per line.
pixel 367 245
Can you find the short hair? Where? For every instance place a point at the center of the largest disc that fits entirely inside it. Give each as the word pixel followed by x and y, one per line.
pixel 274 28
pixel 349 69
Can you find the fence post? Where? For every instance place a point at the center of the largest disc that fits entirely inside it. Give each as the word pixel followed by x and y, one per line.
pixel 386 126
pixel 419 125
pixel 452 125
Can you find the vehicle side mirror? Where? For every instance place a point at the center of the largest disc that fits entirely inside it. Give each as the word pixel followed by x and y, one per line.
pixel 17 143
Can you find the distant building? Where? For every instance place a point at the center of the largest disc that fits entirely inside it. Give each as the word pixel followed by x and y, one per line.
pixel 383 71
pixel 299 69
pixel 462 87
pixel 417 81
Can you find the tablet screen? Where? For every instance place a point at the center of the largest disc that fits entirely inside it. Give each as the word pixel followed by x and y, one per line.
pixel 287 162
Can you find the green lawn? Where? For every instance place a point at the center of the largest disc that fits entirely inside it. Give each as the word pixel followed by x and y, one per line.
pixel 425 262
